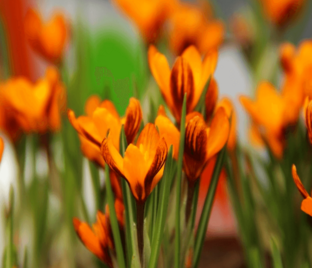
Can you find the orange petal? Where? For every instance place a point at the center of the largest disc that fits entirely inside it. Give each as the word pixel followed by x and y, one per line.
pixel 161 111
pixel 1 148
pixel 133 119
pixel 92 103
pixel 287 52
pixel 104 121
pixel 89 239
pixel 32 26
pixel 111 156
pixel 85 127
pixel 108 105
pixel 181 82
pixel 135 167
pixel 195 148
pixel 161 71
pixel 157 165
pixel 308 120
pixel 298 182
pixel 211 98
pixel 209 66
pixel 228 106
pixel 193 58
pixel 171 134
pixel 219 132
pixel 306 205
pixel 148 138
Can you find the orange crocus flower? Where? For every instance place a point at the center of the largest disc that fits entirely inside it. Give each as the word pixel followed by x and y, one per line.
pixel 280 12
pixel 31 107
pixel 143 163
pixel 306 205
pixel 202 142
pixel 99 240
pixel 102 117
pixel 188 75
pixel 1 148
pixel 308 119
pixel 269 114
pixel 191 26
pixel 148 15
pixel 47 39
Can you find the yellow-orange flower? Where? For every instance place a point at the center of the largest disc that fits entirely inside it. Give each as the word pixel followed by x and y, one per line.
pixel 188 75
pixel 202 142
pixel 169 131
pixel 271 114
pixel 99 240
pixel 143 163
pixel 280 12
pixel 31 107
pixel 1 148
pixel 191 26
pixel 102 117
pixel 47 39
pixel 148 15
pixel 306 205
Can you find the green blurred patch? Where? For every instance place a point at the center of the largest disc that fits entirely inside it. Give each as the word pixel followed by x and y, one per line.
pixel 109 65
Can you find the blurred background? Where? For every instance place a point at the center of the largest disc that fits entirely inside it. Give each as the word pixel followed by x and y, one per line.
pixel 105 38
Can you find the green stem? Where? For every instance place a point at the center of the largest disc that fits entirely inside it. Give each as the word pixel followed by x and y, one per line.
pixel 140 229
pixel 189 201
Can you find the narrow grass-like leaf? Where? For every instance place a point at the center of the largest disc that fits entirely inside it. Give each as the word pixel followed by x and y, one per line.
pixel 10 223
pixel 114 222
pixel 277 260
pixel 195 201
pixel 202 227
pixel 177 259
pixel 162 212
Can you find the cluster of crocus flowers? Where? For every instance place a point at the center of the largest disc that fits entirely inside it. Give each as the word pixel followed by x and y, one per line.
pixel 101 118
pixel 306 205
pixel 32 107
pixel 99 239
pixel 189 74
pixel 190 25
pixel 49 38
pixel 281 12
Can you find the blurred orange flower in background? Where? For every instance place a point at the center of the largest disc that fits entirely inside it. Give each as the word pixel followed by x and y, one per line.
pixel 190 25
pixel 102 117
pixel 203 142
pixel 27 107
pixel 211 98
pixel 142 165
pixel 99 240
pixel 189 75
pixel 306 205
pixel 48 39
pixel 271 115
pixel 148 15
pixel 281 12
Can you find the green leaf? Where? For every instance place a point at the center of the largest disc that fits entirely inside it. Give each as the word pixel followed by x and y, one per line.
pixel 113 220
pixel 147 246
pixel 203 223
pixel 162 210
pixel 177 259
pixel 277 260
pixel 9 258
